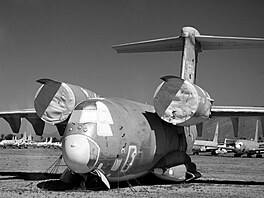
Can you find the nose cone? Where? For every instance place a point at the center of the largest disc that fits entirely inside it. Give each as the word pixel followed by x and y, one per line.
pixel 76 153
pixel 239 145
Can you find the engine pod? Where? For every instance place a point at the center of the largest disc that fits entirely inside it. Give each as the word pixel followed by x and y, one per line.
pixel 54 101
pixel 180 102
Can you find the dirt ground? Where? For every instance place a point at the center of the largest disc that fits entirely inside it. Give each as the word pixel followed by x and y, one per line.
pixel 21 175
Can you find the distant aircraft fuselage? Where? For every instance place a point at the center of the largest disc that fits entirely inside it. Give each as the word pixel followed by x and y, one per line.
pixel 248 147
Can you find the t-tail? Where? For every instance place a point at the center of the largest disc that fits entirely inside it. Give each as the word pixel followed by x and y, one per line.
pixel 190 42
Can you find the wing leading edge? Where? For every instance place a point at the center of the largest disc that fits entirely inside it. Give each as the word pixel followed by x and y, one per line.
pixel 237 111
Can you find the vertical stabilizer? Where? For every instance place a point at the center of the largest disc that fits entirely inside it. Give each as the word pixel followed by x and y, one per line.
pixel 24 136
pixel 29 137
pixel 256 132
pixel 189 54
pixel 225 142
pixel 215 140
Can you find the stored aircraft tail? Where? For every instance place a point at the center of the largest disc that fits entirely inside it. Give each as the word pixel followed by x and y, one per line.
pixel 176 108
pixel 190 42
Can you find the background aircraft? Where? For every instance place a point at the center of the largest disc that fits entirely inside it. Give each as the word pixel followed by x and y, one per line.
pixel 227 146
pixel 249 147
pixel 18 143
pixel 8 143
pixel 118 139
pixel 42 144
pixel 205 145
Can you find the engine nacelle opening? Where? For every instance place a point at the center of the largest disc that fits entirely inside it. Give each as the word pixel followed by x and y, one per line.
pixel 180 102
pixel 54 101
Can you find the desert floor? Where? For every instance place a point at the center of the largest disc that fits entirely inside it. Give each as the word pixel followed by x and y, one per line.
pixel 21 175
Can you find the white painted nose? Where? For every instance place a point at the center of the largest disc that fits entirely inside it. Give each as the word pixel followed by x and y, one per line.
pixel 76 153
pixel 238 145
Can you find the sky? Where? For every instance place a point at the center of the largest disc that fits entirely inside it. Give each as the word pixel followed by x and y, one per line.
pixel 70 41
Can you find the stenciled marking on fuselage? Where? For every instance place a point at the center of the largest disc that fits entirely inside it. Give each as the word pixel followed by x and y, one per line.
pixel 132 152
pixel 104 120
pixel 100 116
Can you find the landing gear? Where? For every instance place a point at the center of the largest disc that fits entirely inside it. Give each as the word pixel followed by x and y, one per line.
pixel 214 153
pixel 237 155
pixel 249 155
pixel 258 155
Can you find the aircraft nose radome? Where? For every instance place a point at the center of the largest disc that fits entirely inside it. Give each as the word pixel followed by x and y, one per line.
pixel 76 153
pixel 238 145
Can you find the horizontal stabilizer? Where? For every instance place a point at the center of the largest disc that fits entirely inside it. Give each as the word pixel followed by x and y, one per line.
pixel 220 42
pixel 176 44
pixel 156 45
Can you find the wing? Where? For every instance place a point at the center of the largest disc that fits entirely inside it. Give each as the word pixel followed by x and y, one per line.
pixel 256 150
pixel 14 120
pixel 237 111
pixel 234 113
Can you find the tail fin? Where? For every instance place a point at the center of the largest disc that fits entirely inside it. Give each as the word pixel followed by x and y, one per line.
pixel 215 140
pixel 256 132
pixel 190 43
pixel 225 142
pixel 29 137
pixel 24 136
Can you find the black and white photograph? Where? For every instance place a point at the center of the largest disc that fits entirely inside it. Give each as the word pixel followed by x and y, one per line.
pixel 131 98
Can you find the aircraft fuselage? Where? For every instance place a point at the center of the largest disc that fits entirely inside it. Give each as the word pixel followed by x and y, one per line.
pixel 248 147
pixel 123 139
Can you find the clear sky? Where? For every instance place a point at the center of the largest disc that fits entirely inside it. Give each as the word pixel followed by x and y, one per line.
pixel 70 41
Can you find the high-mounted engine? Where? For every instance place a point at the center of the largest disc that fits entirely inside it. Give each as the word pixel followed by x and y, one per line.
pixel 55 101
pixel 180 102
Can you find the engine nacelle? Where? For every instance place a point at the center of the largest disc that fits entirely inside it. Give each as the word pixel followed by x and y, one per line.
pixel 55 101
pixel 180 102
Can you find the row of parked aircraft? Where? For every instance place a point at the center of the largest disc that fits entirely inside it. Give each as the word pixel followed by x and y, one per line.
pixel 239 147
pixel 27 142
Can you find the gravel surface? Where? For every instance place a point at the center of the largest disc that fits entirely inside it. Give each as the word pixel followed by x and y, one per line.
pixel 222 176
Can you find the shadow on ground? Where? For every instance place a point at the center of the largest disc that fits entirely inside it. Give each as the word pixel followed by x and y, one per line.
pixel 29 176
pixel 53 183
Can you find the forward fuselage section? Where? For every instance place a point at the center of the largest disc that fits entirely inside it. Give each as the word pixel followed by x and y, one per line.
pixel 125 138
